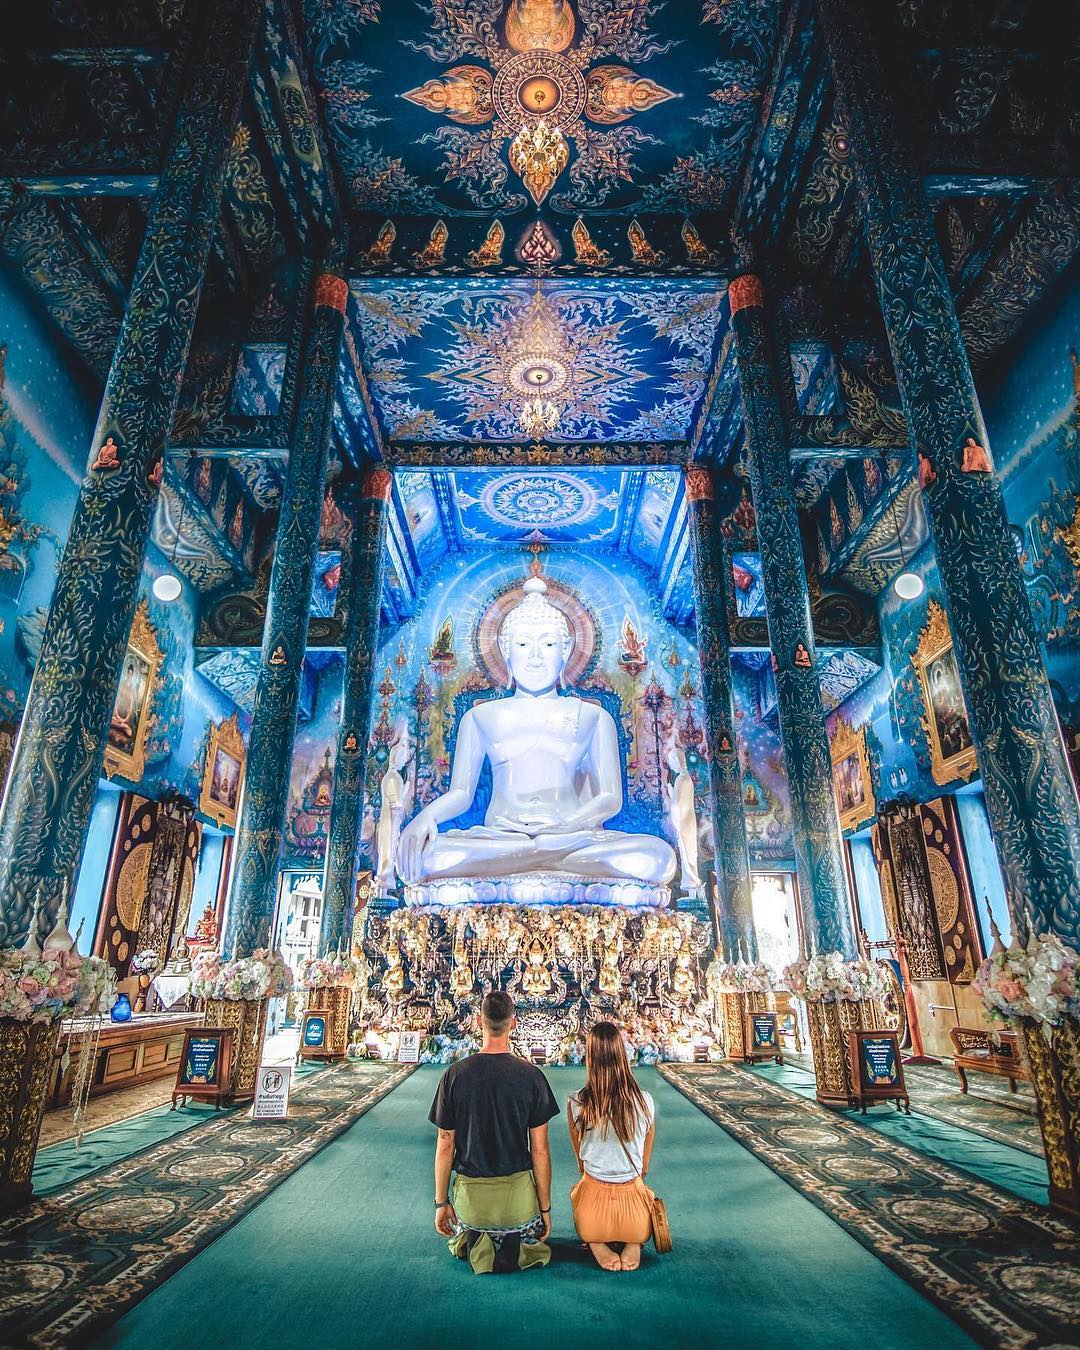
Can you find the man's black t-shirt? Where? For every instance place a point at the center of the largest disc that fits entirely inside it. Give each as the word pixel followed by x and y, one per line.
pixel 491 1102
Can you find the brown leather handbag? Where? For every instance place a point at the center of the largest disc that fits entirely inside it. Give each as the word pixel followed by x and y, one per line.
pixel 661 1229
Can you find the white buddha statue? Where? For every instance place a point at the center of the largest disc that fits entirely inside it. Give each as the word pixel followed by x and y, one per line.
pixel 555 770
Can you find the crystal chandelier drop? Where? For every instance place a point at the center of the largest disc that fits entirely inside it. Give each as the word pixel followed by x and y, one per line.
pixel 538 154
pixel 538 418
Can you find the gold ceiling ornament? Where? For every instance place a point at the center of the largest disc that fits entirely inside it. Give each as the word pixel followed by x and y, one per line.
pixel 585 251
pixel 539 25
pixel 463 95
pixel 489 254
pixel 538 154
pixel 543 73
pixel 615 94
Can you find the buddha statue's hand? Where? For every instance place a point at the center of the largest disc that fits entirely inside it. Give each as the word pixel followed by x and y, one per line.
pixel 416 838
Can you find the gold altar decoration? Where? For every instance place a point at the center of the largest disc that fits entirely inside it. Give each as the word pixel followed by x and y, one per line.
pixel 851 775
pixel 336 1001
pixel 223 772
pixel 247 1018
pixel 125 746
pixel 1055 1076
pixel 945 718
pixel 564 966
pixel 830 1021
pixel 26 1058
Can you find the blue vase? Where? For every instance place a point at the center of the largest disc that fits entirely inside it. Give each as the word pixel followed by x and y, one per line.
pixel 121 1009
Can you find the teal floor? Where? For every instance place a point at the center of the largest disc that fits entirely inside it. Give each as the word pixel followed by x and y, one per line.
pixel 343 1254
pixel 1010 1168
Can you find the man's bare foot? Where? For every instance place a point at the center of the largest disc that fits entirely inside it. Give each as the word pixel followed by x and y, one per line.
pixel 605 1257
pixel 631 1256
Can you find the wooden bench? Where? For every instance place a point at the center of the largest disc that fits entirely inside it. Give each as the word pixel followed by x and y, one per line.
pixel 995 1052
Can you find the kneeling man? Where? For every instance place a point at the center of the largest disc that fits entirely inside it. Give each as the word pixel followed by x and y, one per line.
pixel 492 1112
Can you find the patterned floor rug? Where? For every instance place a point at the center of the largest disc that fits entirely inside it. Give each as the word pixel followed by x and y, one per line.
pixel 1007 1270
pixel 73 1261
pixel 987 1108
pixel 59 1125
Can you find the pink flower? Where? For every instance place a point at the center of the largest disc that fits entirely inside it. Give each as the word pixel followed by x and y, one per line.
pixel 28 985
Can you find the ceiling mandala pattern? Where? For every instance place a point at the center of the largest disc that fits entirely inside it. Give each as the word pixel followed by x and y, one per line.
pixel 632 362
pixel 633 116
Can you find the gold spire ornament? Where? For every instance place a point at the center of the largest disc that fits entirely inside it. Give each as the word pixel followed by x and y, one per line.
pixel 538 154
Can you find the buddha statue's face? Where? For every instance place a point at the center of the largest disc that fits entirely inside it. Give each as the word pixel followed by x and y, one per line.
pixel 536 651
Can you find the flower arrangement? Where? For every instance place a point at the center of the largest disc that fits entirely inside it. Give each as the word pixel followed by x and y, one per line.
pixel 39 986
pixel 145 963
pixel 829 978
pixel 1036 981
pixel 334 971
pixel 740 978
pixel 447 1049
pixel 262 974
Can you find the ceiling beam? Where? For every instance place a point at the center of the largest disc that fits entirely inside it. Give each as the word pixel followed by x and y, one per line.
pixel 829 436
pixel 82 182
pixel 550 455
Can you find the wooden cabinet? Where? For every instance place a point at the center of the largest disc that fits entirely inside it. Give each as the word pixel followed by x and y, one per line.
pixel 128 1053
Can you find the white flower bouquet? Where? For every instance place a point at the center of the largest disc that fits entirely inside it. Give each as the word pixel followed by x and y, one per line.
pixel 740 977
pixel 262 974
pixel 336 972
pixel 1037 981
pixel 829 978
pixel 145 963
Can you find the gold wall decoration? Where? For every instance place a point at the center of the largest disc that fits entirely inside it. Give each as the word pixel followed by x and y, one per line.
pixel 851 775
pixel 945 717
pixel 223 772
pixel 125 748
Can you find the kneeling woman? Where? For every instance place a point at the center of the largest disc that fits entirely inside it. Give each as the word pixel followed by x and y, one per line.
pixel 611 1128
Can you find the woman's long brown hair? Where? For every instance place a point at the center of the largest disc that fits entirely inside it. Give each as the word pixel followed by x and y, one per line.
pixel 611 1095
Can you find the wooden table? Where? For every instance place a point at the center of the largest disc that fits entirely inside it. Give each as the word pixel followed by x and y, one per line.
pixel 129 1053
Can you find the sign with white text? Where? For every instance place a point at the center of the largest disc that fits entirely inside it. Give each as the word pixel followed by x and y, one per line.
pixel 272 1084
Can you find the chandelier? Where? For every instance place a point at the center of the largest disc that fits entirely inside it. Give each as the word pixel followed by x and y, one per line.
pixel 538 154
pixel 539 366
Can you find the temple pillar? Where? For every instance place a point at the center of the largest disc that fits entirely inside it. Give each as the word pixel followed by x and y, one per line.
pixel 733 920
pixel 261 822
pixel 58 755
pixel 369 519
pixel 1030 797
pixel 819 859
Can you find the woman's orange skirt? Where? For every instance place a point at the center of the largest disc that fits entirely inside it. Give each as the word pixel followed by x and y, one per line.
pixel 611 1211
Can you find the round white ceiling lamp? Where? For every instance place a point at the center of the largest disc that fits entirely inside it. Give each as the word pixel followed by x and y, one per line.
pixel 907 584
pixel 167 586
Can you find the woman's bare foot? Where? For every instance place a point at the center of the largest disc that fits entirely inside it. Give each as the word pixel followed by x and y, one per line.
pixel 605 1257
pixel 631 1256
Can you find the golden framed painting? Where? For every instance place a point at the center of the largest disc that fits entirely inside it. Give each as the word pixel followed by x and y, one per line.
pixel 219 798
pixel 852 782
pixel 129 726
pixel 945 717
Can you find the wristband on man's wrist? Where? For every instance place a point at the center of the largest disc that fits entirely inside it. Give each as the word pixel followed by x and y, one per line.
pixel 546 1211
pixel 441 1204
